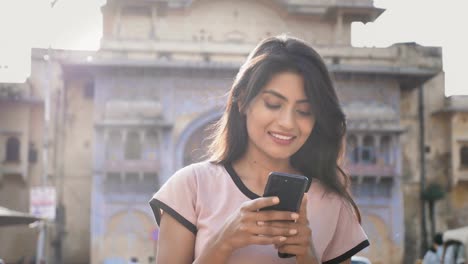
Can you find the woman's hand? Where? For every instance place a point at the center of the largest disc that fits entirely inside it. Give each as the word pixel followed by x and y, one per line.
pixel 248 226
pixel 300 243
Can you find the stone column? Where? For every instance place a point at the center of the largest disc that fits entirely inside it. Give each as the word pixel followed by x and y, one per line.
pixel 377 145
pixel 339 28
pixel 360 139
pixel 124 134
pixel 116 29
pixel 154 18
pixel 392 150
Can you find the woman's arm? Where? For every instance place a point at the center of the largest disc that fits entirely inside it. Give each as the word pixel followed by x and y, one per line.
pixel 214 253
pixel 176 244
pixel 244 227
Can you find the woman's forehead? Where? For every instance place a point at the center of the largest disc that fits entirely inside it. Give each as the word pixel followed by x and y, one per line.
pixel 287 86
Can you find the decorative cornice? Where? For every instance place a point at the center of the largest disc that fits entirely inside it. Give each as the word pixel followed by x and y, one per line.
pixel 359 10
pixel 454 104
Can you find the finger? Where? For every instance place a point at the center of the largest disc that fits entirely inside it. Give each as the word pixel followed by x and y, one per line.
pixel 303 234
pixel 260 203
pixel 303 211
pixel 274 231
pixel 297 239
pixel 297 250
pixel 276 216
pixel 281 224
pixel 266 240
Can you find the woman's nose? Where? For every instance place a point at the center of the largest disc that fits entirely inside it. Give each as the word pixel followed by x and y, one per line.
pixel 286 119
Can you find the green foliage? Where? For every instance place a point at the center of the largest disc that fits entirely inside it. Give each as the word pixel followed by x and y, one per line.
pixel 433 192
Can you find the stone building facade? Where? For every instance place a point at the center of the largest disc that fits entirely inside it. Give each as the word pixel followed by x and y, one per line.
pixel 125 117
pixel 21 124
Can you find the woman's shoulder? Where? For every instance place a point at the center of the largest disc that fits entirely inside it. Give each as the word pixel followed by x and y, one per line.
pixel 190 176
pixel 324 196
pixel 319 189
pixel 197 170
pixel 202 168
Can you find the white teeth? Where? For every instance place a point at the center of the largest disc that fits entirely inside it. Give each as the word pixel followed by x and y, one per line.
pixel 281 137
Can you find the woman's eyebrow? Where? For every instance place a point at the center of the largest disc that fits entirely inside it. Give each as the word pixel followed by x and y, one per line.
pixel 284 97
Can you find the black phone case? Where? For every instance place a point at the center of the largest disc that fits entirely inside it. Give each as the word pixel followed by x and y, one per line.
pixel 281 185
pixel 288 187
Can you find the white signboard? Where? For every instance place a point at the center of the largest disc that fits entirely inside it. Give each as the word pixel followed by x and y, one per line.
pixel 42 202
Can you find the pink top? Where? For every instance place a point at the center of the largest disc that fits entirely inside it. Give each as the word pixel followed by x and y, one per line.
pixel 203 195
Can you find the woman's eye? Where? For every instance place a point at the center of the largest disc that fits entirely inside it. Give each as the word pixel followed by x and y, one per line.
pixel 272 106
pixel 304 113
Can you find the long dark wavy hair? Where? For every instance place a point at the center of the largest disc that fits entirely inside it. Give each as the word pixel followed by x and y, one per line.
pixel 320 155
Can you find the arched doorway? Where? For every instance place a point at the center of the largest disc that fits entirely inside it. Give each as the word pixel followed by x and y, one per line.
pixel 128 234
pixel 382 249
pixel 197 145
pixel 194 141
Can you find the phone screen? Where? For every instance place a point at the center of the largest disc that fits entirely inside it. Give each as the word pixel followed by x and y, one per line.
pixel 289 188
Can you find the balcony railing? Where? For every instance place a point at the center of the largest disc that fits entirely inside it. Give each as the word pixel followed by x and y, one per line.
pixel 461 174
pixel 12 168
pixel 362 169
pixel 17 92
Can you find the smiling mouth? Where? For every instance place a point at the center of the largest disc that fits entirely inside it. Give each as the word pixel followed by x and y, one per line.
pixel 281 137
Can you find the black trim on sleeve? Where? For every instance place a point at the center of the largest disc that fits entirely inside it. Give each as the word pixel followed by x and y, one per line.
pixel 157 206
pixel 348 254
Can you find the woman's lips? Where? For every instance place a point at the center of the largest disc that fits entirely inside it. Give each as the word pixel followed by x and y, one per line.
pixel 281 139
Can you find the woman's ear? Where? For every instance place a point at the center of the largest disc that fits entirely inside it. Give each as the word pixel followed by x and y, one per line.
pixel 240 104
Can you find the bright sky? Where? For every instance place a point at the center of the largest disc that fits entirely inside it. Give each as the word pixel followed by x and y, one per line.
pixel 76 24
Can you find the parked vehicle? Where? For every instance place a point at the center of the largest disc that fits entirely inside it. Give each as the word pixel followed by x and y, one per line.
pixel 360 260
pixel 456 246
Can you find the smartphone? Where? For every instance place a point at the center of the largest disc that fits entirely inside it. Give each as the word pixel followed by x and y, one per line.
pixel 289 188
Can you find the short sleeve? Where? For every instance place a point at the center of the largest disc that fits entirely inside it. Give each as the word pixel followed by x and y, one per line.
pixel 348 239
pixel 177 198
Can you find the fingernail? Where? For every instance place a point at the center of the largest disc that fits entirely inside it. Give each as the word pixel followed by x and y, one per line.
pixel 276 200
pixel 282 239
pixel 294 216
pixel 293 231
pixel 260 223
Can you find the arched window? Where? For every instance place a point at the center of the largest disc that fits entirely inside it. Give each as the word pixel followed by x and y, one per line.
pixel 364 188
pixel 464 156
pixel 133 146
pixel 13 150
pixel 352 149
pixel 114 148
pixel 150 183
pixel 32 153
pixel 150 148
pixel 113 183
pixel 368 150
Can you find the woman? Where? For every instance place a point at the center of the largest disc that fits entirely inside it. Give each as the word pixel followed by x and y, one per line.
pixel 282 115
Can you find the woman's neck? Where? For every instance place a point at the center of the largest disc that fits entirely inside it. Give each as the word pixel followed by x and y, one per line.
pixel 254 170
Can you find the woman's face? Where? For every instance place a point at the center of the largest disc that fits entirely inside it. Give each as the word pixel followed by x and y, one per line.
pixel 279 118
